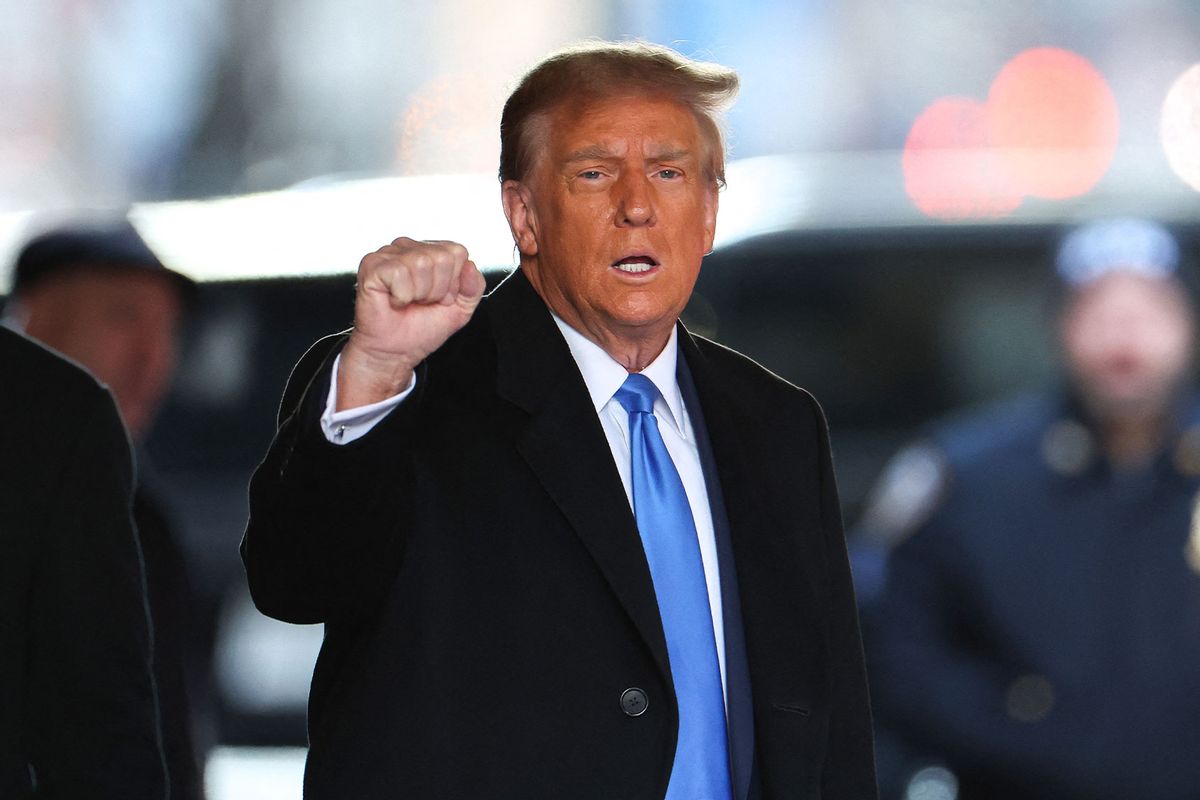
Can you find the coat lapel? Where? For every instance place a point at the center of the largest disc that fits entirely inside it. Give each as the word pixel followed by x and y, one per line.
pixel 566 448
pixel 765 562
pixel 737 673
pixel 778 612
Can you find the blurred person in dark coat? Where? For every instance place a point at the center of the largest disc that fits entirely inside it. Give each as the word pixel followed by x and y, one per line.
pixel 1038 629
pixel 97 294
pixel 78 713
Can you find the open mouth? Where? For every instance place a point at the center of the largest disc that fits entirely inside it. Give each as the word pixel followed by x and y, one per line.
pixel 635 265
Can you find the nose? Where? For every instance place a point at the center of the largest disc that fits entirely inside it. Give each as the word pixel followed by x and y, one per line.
pixel 635 201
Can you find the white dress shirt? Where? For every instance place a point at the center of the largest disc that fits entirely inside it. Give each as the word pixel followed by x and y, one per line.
pixel 343 427
pixel 603 376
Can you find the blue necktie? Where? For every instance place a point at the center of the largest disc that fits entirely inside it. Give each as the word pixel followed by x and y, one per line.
pixel 664 520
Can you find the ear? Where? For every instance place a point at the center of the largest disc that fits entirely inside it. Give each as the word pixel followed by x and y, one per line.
pixel 522 220
pixel 711 201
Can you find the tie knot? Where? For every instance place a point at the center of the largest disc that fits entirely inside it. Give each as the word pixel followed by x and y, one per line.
pixel 637 394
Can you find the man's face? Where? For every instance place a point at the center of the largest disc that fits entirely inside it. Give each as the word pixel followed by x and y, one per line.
pixel 121 324
pixel 1128 343
pixel 615 216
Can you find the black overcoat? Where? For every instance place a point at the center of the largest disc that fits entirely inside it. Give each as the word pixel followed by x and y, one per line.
pixel 486 597
pixel 77 708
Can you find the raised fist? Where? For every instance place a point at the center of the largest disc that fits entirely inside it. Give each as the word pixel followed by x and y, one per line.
pixel 412 296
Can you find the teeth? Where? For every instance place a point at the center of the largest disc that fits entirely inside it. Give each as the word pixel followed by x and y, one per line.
pixel 634 267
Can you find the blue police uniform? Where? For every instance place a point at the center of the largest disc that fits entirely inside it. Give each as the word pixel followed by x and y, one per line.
pixel 1038 627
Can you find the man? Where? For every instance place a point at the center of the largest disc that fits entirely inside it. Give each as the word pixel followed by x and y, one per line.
pixel 97 294
pixel 532 586
pixel 1040 621
pixel 78 716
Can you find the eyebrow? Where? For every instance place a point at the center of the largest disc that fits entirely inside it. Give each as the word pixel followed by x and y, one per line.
pixel 678 154
pixel 601 153
pixel 593 152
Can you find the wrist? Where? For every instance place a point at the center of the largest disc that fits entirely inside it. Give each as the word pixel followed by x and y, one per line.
pixel 365 377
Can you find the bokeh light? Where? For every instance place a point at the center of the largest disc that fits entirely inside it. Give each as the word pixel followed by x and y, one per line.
pixel 950 169
pixel 450 125
pixel 1180 128
pixel 1048 130
pixel 1054 123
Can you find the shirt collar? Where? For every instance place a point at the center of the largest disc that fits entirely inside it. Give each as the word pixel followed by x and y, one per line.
pixel 603 375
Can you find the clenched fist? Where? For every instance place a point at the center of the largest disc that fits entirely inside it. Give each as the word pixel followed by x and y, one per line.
pixel 412 297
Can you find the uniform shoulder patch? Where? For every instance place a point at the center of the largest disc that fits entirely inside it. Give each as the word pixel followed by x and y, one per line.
pixel 1191 550
pixel 910 488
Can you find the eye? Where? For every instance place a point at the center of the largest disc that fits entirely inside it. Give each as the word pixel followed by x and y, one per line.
pixel 669 174
pixel 590 174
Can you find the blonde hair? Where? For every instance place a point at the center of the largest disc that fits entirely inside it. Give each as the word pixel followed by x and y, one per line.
pixel 589 71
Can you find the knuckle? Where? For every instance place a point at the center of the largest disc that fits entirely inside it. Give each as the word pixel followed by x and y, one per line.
pixel 453 252
pixel 421 261
pixel 417 260
pixel 370 262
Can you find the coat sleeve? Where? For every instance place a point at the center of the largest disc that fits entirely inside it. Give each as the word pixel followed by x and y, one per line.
pixel 849 772
pixel 92 712
pixel 323 538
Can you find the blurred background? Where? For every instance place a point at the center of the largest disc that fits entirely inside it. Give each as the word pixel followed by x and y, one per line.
pixel 901 173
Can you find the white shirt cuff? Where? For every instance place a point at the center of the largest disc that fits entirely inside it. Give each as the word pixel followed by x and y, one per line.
pixel 343 427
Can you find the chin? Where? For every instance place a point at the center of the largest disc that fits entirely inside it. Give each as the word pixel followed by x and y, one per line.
pixel 646 311
pixel 649 324
pixel 1132 404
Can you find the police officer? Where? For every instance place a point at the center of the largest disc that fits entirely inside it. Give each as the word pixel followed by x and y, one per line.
pixel 1037 634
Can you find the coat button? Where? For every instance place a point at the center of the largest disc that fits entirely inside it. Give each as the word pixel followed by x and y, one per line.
pixel 634 702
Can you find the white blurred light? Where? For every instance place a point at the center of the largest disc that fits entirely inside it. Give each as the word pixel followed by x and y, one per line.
pixel 262 773
pixel 263 666
pixel 325 229
pixel 764 195
pixel 1180 128
pixel 932 783
pixel 14 228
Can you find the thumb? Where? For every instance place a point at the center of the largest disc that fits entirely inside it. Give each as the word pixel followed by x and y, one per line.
pixel 471 284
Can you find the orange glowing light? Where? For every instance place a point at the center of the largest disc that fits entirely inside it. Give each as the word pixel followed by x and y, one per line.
pixel 1181 127
pixel 950 172
pixel 1054 123
pixel 449 125
pixel 1049 130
